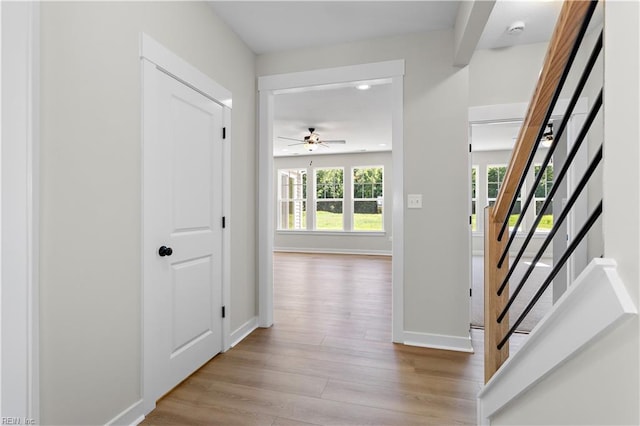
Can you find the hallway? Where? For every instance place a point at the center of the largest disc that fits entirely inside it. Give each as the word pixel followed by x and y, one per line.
pixel 328 359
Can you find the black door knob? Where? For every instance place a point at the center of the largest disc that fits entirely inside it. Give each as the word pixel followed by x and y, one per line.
pixel 165 251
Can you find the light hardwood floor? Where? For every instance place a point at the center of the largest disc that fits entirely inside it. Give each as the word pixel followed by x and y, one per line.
pixel 328 359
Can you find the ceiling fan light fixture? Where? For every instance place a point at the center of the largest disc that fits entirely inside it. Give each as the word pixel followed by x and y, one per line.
pixel 311 146
pixel 547 137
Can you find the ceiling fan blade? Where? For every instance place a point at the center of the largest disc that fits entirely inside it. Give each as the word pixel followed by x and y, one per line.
pixel 336 141
pixel 290 139
pixel 299 143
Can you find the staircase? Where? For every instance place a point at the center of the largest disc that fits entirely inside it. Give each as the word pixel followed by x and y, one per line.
pixel 602 299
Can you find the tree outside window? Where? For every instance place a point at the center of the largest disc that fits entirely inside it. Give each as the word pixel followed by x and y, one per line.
pixel 368 199
pixel 292 195
pixel 329 199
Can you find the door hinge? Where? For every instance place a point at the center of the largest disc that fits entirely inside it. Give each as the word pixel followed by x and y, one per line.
pixel 469 147
pixel 224 222
pixel 224 133
pixel 224 314
pixel 470 292
pixel 469 220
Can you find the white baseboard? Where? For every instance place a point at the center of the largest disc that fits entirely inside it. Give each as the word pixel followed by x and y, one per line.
pixel 243 331
pixel 333 251
pixel 133 415
pixel 438 341
pixel 594 304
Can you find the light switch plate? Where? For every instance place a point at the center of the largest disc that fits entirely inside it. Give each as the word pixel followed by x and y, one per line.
pixel 414 201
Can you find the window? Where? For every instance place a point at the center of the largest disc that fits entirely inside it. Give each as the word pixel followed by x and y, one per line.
pixel 367 199
pixel 329 199
pixel 474 198
pixel 542 191
pixel 495 177
pixel 292 199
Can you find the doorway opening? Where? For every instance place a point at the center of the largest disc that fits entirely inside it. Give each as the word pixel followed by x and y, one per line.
pixel 326 207
pixel 333 195
pixel 491 147
pixel 492 129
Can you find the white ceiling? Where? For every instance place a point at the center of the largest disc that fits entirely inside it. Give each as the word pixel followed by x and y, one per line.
pixel 362 118
pixel 269 26
pixel 539 18
pixel 494 136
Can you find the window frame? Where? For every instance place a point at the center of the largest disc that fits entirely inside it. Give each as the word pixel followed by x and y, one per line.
pixel 354 199
pixel 488 199
pixel 287 199
pixel 316 199
pixel 547 188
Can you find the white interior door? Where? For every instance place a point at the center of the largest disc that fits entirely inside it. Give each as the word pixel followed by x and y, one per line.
pixel 182 231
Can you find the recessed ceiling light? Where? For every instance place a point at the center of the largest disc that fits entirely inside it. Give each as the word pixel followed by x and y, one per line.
pixel 363 87
pixel 285 150
pixel 382 144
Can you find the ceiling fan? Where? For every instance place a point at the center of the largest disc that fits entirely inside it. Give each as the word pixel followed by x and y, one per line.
pixel 547 137
pixel 312 141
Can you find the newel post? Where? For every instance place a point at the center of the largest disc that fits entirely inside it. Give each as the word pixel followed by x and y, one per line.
pixel 493 304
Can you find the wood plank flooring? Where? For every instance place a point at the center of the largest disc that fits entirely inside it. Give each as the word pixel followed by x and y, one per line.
pixel 328 359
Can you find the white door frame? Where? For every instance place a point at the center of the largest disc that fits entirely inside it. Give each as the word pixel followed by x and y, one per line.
pixel 19 352
pixel 154 55
pixel 268 86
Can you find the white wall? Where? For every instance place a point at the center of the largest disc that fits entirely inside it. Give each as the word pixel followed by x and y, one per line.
pixel 601 385
pixel 506 75
pixel 436 249
pixel 348 242
pixel 91 187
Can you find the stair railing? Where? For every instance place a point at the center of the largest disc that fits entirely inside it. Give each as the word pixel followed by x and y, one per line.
pixel 570 29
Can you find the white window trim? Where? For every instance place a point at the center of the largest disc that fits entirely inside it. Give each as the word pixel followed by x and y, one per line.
pixel 536 199
pixel 279 174
pixel 354 199
pixel 525 219
pixel 489 166
pixel 315 199
pixel 331 232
